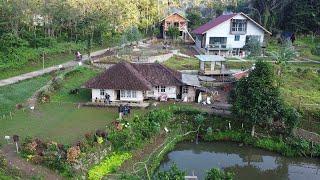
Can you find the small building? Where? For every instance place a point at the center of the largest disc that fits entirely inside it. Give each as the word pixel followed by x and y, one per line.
pixel 212 65
pixel 135 82
pixel 227 34
pixel 175 20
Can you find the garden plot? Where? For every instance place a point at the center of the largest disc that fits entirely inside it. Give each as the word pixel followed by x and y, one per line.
pixel 148 51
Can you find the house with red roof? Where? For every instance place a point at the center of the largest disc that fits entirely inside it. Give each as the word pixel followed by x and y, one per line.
pixel 227 34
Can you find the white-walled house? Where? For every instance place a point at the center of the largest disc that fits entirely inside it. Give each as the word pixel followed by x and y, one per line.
pixel 226 35
pixel 134 82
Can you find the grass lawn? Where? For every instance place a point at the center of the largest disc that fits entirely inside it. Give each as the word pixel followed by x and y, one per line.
pixel 180 63
pixel 64 123
pixel 18 93
pixel 239 65
pixel 304 45
pixel 74 80
pixel 301 83
pixel 36 65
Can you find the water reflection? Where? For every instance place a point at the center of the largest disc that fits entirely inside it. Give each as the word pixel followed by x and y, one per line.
pixel 247 162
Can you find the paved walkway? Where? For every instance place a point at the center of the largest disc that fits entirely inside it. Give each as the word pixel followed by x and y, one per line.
pixel 27 168
pixel 41 72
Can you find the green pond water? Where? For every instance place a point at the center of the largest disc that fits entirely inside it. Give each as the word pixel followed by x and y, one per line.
pixel 246 162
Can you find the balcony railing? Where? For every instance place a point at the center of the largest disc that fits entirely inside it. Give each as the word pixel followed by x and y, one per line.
pixel 218 47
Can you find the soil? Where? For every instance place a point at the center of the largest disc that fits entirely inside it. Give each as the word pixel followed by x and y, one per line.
pixel 26 168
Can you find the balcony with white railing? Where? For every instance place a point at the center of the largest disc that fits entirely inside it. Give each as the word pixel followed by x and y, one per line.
pixel 217 47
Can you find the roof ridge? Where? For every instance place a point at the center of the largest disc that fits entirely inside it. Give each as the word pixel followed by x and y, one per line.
pixel 171 72
pixel 136 73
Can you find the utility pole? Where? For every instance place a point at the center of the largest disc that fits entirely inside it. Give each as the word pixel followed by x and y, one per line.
pixel 43 60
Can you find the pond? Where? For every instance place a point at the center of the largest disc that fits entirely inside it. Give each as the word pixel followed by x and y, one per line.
pixel 246 162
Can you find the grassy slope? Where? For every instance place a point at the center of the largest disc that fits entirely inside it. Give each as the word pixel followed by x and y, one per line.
pixel 180 63
pixel 74 80
pixel 304 46
pixel 19 93
pixel 36 65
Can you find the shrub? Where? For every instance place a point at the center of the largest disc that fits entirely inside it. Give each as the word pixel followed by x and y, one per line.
pixel 316 50
pixel 217 174
pixel 173 173
pixel 254 47
pixel 108 165
pixel 225 136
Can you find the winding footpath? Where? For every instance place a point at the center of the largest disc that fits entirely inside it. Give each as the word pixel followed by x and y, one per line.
pixel 41 72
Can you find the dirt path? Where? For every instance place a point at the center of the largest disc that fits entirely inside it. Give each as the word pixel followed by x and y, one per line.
pixel 27 168
pixel 41 72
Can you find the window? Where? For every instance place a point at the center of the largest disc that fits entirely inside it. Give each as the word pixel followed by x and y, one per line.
pixel 157 88
pixel 237 38
pixel 134 94
pixel 163 89
pixel 251 37
pixel 102 93
pixel 238 25
pixel 218 42
pixel 123 93
pixel 185 90
pixel 128 94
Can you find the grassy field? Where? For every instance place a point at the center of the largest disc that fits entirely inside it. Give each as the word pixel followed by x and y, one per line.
pixel 304 45
pixel 74 80
pixel 64 123
pixel 18 93
pixel 36 65
pixel 180 63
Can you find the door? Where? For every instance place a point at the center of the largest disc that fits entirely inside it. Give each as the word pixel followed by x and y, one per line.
pixel 118 94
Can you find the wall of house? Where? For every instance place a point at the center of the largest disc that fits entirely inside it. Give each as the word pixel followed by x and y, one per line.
pixel 171 92
pixel 175 18
pixel 138 98
pixel 96 94
pixel 113 96
pixel 223 30
pixel 191 95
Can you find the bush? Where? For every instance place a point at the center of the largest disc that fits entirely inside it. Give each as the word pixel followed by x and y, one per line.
pixel 254 47
pixel 108 165
pixel 173 173
pixel 225 136
pixel 217 174
pixel 316 50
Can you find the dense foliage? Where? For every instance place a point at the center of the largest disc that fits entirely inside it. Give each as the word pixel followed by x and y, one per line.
pixel 62 157
pixel 109 164
pixel 173 173
pixel 217 174
pixel 141 128
pixel 29 29
pixel 256 99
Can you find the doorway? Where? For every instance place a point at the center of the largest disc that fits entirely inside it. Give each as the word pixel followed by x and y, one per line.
pixel 118 94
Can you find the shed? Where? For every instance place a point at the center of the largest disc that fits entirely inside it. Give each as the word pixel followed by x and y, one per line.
pixel 212 65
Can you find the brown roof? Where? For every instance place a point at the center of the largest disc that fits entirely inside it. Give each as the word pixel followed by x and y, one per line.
pixel 132 76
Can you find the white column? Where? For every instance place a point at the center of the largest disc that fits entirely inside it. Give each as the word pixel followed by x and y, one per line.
pixel 212 65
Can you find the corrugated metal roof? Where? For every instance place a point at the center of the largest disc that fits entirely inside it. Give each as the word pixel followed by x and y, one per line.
pixel 210 58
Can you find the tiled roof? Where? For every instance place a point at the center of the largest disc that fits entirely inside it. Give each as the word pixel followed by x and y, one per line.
pixel 130 76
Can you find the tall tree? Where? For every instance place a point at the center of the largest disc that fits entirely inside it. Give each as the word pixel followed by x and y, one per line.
pixel 256 98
